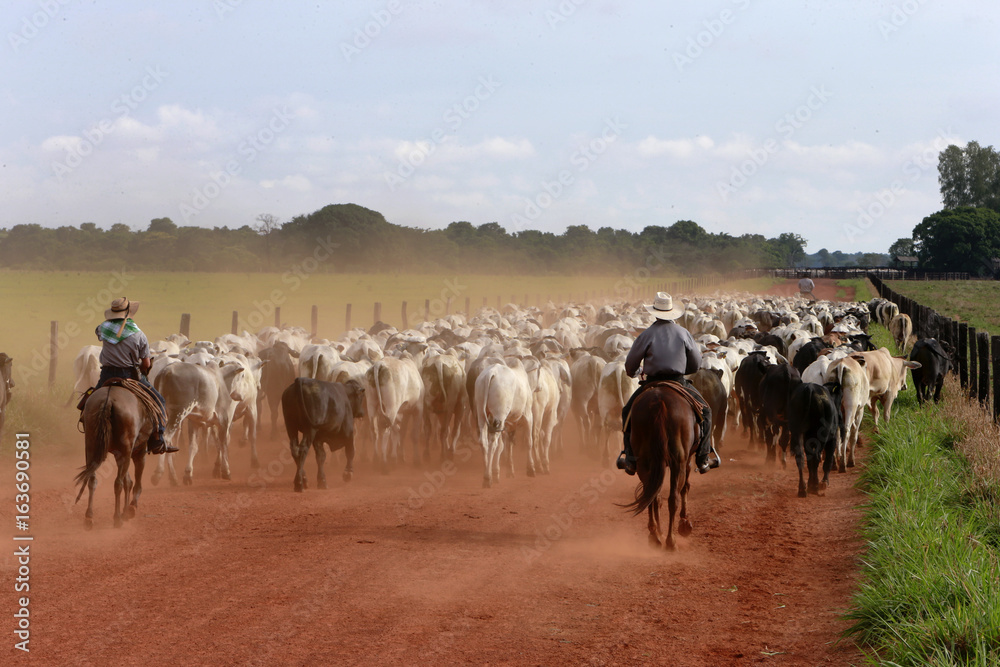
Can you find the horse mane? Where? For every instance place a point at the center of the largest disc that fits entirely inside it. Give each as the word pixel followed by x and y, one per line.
pixel 97 446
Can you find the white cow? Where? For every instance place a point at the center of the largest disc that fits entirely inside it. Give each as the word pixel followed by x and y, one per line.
pixel 394 393
pixel 850 374
pixel 204 395
pixel 86 369
pixel 586 374
pixel 443 376
pixel 503 400
pixel 614 389
pixel 317 362
pixel 544 415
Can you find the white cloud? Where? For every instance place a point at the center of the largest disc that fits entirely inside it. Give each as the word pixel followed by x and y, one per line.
pixel 296 182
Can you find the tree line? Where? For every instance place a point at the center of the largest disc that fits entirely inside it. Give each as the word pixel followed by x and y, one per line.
pixel 351 238
pixel 965 234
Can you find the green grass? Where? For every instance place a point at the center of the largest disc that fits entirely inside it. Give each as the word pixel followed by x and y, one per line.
pixel 930 594
pixel 972 301
pixel 861 290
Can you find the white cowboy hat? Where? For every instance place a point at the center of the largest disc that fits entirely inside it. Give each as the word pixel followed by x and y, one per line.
pixel 663 307
pixel 121 308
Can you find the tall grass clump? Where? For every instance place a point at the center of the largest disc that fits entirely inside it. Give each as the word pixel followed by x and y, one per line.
pixel 930 593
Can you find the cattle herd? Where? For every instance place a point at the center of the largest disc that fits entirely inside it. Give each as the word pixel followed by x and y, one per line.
pixel 792 374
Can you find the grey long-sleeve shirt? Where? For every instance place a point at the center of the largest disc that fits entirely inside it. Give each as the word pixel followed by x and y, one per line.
pixel 665 347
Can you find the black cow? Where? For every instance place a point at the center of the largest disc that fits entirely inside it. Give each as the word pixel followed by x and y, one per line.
pixel 862 343
pixel 808 353
pixel 774 340
pixel 708 382
pixel 814 423
pixel 323 412
pixel 275 376
pixel 747 385
pixel 7 382
pixel 935 359
pixel 775 389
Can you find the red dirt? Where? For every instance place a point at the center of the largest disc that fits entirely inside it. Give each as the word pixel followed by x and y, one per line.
pixel 825 289
pixel 533 571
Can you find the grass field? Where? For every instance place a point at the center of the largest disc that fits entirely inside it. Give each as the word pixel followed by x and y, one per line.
pixel 76 300
pixel 972 301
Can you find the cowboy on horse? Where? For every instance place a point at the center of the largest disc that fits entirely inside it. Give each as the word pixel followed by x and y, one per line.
pixel 125 354
pixel 667 352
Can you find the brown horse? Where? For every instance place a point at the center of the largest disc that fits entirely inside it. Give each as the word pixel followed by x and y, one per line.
pixel 664 435
pixel 115 421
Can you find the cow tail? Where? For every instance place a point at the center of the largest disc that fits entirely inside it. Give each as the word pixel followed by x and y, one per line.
pixel 440 370
pixel 98 444
pixel 494 424
pixel 378 388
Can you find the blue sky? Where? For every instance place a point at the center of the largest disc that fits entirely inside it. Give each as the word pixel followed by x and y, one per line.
pixel 819 118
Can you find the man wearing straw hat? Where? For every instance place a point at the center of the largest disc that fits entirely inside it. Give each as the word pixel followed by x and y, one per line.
pixel 125 354
pixel 667 351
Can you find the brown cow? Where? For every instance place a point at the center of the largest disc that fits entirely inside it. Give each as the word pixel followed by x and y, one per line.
pixel 901 328
pixel 886 377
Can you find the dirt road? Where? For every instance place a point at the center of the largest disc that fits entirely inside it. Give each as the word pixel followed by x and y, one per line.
pixel 424 566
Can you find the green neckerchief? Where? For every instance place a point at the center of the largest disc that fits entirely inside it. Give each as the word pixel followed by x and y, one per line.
pixel 113 331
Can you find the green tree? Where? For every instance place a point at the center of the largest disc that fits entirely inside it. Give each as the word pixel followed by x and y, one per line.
pixel 901 248
pixel 969 176
pixel 959 239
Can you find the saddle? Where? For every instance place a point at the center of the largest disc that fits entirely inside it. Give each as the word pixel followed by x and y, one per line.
pixel 141 392
pixel 677 388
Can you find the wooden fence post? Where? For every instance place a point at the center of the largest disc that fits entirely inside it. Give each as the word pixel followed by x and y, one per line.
pixel 186 325
pixel 314 321
pixel 347 318
pixel 53 351
pixel 236 322
pixel 984 369
pixel 377 312
pixel 467 307
pixel 973 364
pixel 962 349
pixel 995 344
pixel 427 309
pixel 277 316
pixel 402 313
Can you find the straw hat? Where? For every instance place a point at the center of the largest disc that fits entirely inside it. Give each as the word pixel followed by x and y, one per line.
pixel 663 307
pixel 121 308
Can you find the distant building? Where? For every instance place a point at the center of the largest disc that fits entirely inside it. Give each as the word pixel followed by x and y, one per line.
pixel 905 262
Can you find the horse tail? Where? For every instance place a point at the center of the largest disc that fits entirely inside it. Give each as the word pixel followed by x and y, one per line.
pixel 98 445
pixel 656 457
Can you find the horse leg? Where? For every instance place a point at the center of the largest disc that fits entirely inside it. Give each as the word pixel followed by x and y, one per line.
pixel 119 488
pixel 655 537
pixel 685 525
pixel 89 516
pixel 669 543
pixel 139 463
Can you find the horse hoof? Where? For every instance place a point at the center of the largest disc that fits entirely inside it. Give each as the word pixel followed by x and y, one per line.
pixel 802 493
pixel 348 476
pixel 684 528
